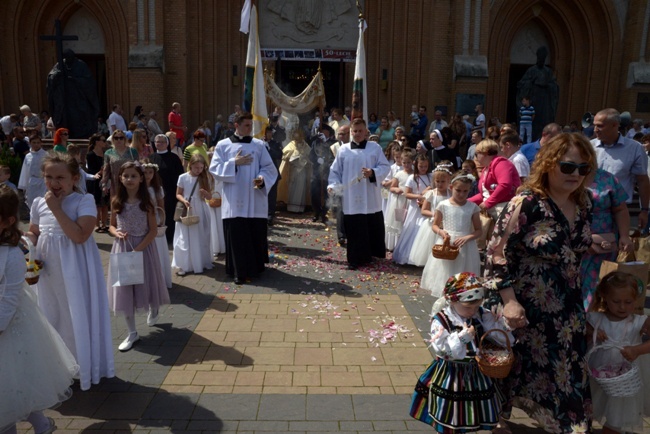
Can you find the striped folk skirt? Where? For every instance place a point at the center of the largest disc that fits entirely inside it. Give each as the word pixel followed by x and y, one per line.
pixel 454 396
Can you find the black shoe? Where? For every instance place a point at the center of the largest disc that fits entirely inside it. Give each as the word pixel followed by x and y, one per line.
pixel 315 218
pixel 342 242
pixel 269 221
pixel 353 267
pixel 324 219
pixel 239 281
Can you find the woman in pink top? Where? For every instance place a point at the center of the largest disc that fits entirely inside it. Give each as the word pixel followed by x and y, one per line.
pixel 499 179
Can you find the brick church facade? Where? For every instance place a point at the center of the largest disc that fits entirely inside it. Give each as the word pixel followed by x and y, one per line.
pixel 441 53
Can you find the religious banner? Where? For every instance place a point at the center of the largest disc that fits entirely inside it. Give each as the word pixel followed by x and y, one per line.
pixel 254 95
pixel 359 91
pixel 313 96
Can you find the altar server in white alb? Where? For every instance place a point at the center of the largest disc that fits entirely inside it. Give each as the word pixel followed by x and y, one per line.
pixel 245 167
pixel 357 172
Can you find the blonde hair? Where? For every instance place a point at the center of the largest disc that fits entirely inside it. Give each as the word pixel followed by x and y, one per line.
pixel 204 179
pixel 488 146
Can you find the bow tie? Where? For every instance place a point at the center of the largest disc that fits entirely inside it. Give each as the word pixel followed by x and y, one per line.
pixel 361 145
pixel 237 139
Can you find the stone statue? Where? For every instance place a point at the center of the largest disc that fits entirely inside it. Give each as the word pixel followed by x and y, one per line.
pixel 72 97
pixel 540 85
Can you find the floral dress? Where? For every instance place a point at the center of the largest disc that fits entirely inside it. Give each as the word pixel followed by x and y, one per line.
pixel 606 193
pixel 541 262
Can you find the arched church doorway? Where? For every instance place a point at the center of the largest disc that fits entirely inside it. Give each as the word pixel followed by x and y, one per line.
pixel 522 56
pixel 90 48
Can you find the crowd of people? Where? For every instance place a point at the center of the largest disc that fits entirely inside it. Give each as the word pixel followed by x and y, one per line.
pixel 536 219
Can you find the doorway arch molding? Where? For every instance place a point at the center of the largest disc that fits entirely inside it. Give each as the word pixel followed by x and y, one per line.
pixel 36 17
pixel 584 48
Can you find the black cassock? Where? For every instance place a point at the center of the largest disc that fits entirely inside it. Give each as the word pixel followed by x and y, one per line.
pixel 169 169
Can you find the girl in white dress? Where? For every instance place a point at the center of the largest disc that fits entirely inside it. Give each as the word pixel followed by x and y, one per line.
pixel 612 322
pixel 192 243
pixel 36 367
pixel 72 288
pixel 457 219
pixel 417 185
pixel 217 239
pixel 425 238
pixel 157 196
pixel 397 200
pixel 393 154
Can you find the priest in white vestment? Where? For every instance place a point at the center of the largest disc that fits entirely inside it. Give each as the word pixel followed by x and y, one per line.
pixel 356 173
pixel 245 167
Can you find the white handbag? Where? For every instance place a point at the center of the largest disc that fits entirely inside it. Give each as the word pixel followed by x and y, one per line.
pixel 127 268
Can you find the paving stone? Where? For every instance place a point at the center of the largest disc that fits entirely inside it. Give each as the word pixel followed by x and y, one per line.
pixel 329 407
pixel 235 407
pixel 282 407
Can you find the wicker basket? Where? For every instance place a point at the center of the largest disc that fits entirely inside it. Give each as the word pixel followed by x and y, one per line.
pixel 33 280
pixel 489 367
pixel 190 219
pixel 445 250
pixel 215 202
pixel 624 385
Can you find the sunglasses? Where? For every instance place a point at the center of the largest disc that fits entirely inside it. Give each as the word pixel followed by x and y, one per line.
pixel 568 168
pixel 64 134
pixel 119 138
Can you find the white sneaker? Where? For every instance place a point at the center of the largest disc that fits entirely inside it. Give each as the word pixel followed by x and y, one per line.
pixel 181 273
pixel 153 319
pixel 131 339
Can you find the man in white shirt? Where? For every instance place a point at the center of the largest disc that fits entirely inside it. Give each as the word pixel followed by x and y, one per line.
pixel 337 119
pixel 356 173
pixel 479 122
pixel 115 120
pixel 509 144
pixel 153 126
pixel 8 123
pixel 622 157
pixel 246 169
pixel 438 123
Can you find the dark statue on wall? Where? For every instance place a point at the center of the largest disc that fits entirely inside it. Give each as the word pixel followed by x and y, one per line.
pixel 540 85
pixel 72 97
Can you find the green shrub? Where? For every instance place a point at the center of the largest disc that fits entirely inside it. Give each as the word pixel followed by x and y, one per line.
pixel 7 158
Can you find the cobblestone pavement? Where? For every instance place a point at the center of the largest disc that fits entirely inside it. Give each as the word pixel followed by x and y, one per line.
pixel 310 347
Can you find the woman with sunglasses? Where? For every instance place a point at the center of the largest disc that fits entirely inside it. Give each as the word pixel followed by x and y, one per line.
pixel 61 140
pixel 114 158
pixel 533 270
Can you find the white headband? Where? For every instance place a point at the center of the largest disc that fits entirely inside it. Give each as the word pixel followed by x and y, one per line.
pixel 468 176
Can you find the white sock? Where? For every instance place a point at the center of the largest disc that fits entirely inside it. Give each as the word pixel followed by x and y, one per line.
pixel 130 324
pixel 38 421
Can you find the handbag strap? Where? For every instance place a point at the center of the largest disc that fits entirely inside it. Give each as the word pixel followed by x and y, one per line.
pixel 193 188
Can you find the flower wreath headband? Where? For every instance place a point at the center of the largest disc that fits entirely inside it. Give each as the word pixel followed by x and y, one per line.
pixel 444 167
pixel 149 166
pixel 468 176
pixel 441 168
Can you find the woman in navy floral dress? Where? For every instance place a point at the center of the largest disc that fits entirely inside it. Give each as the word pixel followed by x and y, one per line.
pixel 533 270
pixel 610 215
